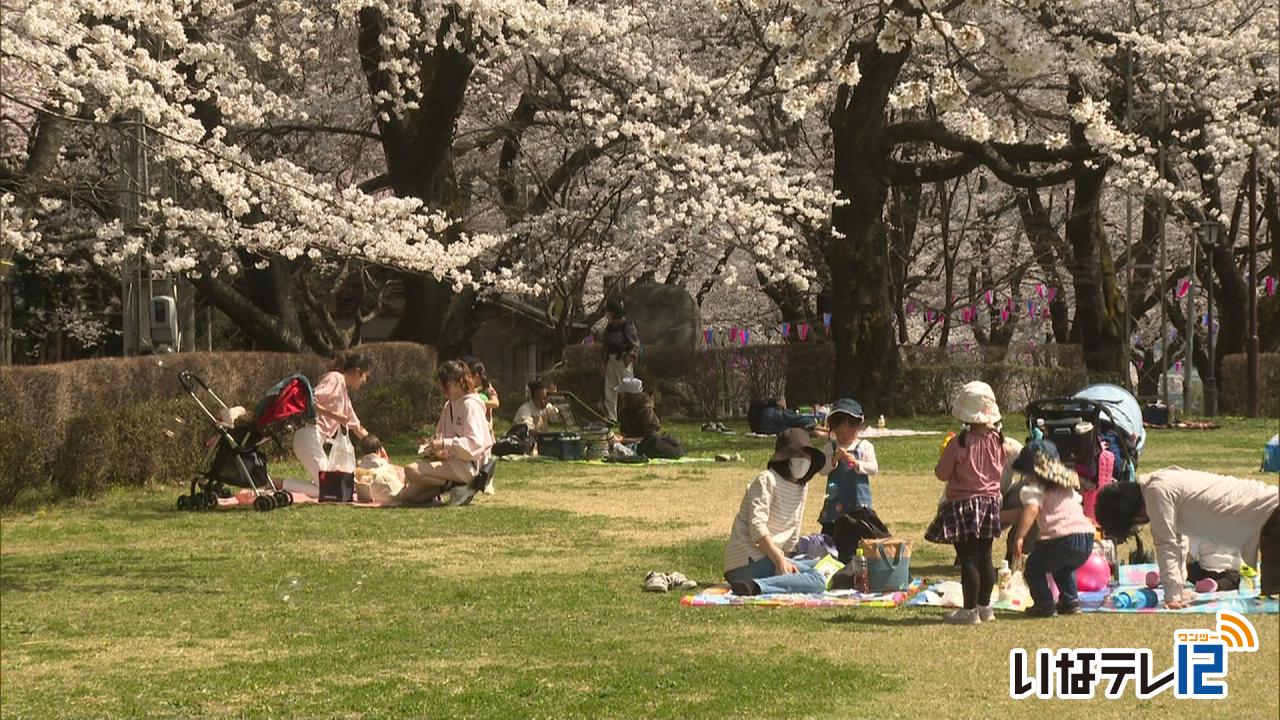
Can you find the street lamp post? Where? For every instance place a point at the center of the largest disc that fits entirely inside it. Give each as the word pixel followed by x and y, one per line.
pixel 1209 238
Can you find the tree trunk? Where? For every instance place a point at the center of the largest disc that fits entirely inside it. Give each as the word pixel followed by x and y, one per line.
pixel 904 216
pixel 866 348
pixel 1098 303
pixel 1044 240
pixel 418 147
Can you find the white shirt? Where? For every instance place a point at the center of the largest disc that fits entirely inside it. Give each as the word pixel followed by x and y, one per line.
pixel 771 507
pixel 537 419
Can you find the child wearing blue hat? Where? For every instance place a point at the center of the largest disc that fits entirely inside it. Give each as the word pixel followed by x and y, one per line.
pixel 850 463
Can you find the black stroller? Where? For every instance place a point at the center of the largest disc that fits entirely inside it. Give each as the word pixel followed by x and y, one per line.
pixel 1079 425
pixel 235 454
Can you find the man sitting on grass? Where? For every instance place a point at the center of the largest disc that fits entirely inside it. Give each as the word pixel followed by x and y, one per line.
pixel 1229 511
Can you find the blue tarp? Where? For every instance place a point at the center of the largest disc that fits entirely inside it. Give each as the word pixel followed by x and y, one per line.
pixel 1122 409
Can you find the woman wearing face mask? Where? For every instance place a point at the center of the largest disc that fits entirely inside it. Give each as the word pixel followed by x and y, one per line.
pixel 768 524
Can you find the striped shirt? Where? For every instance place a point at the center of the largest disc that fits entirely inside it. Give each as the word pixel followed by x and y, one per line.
pixel 772 506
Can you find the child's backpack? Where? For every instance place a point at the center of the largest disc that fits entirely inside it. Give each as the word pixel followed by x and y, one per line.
pixel 860 523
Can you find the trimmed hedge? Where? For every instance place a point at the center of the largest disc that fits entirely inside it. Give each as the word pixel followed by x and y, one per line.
pixel 712 383
pixel 1233 387
pixel 82 426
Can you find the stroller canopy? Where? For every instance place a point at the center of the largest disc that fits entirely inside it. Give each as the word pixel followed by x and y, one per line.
pixel 1122 410
pixel 291 398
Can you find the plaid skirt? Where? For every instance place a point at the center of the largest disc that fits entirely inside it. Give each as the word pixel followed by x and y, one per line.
pixel 973 518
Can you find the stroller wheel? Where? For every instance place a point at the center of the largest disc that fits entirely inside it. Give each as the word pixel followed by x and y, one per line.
pixel 184 502
pixel 264 503
pixel 210 500
pixel 283 498
pixel 221 490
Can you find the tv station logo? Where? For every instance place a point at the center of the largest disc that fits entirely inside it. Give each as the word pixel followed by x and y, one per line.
pixel 1199 671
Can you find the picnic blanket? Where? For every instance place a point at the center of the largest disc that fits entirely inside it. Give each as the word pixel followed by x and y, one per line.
pixel 1248 602
pixel 602 461
pixel 721 596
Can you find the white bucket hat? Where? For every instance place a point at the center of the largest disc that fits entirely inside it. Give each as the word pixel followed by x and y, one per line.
pixel 976 404
pixel 229 416
pixel 630 386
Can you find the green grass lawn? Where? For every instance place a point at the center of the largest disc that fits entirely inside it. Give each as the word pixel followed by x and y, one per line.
pixel 526 604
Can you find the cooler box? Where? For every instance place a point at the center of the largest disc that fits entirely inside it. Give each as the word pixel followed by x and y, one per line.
pixel 562 445
pixel 337 486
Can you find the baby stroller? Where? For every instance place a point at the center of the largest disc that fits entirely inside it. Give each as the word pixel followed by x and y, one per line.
pixel 235 456
pixel 1099 419
pixel 1080 426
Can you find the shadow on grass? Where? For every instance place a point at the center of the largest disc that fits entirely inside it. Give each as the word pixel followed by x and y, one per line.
pixel 884 620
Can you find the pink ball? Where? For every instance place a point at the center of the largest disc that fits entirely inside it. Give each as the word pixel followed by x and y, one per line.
pixel 1094 574
pixel 1153 579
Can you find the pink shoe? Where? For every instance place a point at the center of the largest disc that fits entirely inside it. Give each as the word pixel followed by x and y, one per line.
pixel 1206 585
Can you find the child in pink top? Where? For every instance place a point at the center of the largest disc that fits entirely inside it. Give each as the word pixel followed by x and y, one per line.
pixel 1051 500
pixel 969 518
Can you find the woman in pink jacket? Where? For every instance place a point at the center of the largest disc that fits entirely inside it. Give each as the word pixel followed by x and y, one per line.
pixel 464 438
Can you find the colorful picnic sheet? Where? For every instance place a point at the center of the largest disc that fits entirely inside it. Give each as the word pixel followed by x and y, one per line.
pixel 298 499
pixel 721 596
pixel 601 461
pixel 1248 602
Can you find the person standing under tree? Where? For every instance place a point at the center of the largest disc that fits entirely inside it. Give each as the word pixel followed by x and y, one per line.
pixel 621 346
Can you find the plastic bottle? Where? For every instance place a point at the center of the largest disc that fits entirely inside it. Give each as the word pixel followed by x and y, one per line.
pixel 861 578
pixel 1248 579
pixel 1135 599
pixel 1004 576
pixel 880 422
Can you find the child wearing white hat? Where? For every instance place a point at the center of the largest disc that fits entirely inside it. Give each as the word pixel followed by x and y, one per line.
pixel 971 465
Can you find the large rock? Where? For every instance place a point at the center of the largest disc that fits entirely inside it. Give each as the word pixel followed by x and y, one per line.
pixel 665 315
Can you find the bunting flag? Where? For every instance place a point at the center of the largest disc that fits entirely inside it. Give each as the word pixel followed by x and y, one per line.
pixel 746 336
pixel 826 320
pixel 911 310
pixel 589 340
pixel 1044 312
pixel 1204 320
pixel 1031 308
pixel 1053 293
pixel 1004 315
pixel 804 331
pixel 709 335
pixel 1140 363
pixel 1270 284
pixel 1040 289
pixel 1183 287
pixel 733 335
pixel 786 329
pixel 991 297
pixel 1009 305
pixel 1177 367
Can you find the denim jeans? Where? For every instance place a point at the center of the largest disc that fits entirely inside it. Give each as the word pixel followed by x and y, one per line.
pixel 1059 557
pixel 766 576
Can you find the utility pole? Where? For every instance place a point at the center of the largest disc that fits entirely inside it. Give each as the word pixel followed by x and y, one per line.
pixel 1189 343
pixel 1209 236
pixel 1254 388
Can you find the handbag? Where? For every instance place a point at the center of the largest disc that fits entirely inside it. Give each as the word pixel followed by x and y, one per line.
pixel 337 480
pixel 888 564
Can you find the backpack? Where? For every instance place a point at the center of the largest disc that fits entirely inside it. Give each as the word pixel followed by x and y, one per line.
pixel 860 523
pixel 517 441
pixel 661 446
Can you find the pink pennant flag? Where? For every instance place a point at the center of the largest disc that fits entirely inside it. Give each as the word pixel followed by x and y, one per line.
pixel 1270 284
pixel 1040 289
pixel 733 336
pixel 1009 305
pixel 1044 312
pixel 991 297
pixel 804 331
pixel 1140 364
pixel 928 316
pixel 1053 293
pixel 1183 287
pixel 1004 315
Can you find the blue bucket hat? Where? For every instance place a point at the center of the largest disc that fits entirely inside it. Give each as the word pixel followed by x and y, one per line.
pixel 848 407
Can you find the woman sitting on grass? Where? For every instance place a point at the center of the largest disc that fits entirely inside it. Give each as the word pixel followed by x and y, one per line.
pixel 453 457
pixel 768 524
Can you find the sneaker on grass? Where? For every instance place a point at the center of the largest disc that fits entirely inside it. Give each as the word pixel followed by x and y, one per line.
pixel 677 581
pixel 656 582
pixel 962 617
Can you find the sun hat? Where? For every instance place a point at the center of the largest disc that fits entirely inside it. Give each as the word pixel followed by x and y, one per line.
pixel 1039 459
pixel 229 416
pixel 794 443
pixel 976 404
pixel 630 386
pixel 848 407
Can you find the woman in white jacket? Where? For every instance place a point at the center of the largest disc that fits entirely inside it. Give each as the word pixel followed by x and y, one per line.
pixel 464 438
